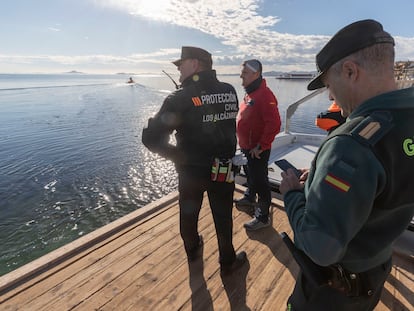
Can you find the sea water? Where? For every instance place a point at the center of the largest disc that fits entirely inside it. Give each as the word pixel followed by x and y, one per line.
pixel 72 158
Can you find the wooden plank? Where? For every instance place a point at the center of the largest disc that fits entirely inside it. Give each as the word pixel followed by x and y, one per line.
pixel 59 255
pixel 210 272
pixel 139 263
pixel 398 290
pixel 277 298
pixel 170 269
pixel 236 286
pixel 65 279
pixel 157 262
pixel 60 276
pixel 267 254
pixel 206 298
pixel 109 265
pixel 171 289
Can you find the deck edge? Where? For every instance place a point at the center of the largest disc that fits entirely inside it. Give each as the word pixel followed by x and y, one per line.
pixel 29 270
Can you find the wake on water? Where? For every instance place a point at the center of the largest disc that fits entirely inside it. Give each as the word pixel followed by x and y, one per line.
pixel 72 157
pixel 73 161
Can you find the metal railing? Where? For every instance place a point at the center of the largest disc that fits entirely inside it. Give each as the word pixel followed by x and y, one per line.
pixel 292 108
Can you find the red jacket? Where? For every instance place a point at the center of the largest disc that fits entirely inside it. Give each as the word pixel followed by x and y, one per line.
pixel 258 120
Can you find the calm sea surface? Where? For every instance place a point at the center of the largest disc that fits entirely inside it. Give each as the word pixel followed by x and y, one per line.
pixel 72 159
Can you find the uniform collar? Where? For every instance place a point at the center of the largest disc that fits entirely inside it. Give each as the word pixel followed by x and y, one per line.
pixel 391 100
pixel 199 76
pixel 254 85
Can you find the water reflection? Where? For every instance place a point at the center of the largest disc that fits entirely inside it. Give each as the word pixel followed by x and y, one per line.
pixel 76 164
pixel 73 161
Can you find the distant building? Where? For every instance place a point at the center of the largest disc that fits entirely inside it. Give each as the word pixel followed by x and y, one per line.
pixel 404 73
pixel 296 75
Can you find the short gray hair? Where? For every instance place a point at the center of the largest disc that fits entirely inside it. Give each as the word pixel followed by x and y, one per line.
pixel 376 58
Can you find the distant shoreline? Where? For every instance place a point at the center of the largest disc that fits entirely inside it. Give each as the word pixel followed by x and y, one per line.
pixel 75 72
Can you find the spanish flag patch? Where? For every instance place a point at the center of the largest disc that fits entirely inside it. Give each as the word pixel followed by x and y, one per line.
pixel 337 183
pixel 197 101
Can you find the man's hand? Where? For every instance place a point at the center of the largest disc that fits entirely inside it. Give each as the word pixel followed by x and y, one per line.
pixel 255 152
pixel 291 182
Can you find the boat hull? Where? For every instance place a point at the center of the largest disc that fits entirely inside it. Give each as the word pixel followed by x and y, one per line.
pixel 297 148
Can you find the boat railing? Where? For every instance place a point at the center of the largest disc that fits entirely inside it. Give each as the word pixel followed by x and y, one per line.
pixel 292 108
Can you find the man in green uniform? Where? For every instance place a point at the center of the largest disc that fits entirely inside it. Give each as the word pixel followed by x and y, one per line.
pixel 356 199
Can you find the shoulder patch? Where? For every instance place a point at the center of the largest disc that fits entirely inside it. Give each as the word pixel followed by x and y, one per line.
pixel 373 127
pixel 197 101
pixel 368 131
pixel 337 183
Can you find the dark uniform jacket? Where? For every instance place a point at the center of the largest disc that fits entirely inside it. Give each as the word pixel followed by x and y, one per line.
pixel 203 114
pixel 358 196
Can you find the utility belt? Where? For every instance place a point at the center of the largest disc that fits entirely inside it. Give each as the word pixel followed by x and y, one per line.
pixel 350 283
pixel 223 170
pixel 354 284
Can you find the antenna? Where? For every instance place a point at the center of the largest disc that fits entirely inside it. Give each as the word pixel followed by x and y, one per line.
pixel 175 83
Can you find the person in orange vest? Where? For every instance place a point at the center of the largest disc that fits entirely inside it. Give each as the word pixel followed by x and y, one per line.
pixel 330 119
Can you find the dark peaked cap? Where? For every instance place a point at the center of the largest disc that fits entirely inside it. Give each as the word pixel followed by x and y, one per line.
pixel 195 53
pixel 346 41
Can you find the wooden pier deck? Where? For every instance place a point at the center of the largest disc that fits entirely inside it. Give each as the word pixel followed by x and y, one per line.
pixel 138 263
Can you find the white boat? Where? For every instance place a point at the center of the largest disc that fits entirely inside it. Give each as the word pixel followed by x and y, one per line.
pixel 296 75
pixel 297 148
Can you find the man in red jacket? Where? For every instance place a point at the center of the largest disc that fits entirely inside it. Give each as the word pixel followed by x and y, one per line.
pixel 258 122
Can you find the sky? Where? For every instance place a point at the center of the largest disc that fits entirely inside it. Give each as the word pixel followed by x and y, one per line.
pixel 144 36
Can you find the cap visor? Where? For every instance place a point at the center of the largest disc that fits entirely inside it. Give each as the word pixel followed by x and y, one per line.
pixel 177 62
pixel 316 83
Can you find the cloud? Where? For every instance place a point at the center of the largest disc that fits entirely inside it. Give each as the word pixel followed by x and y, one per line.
pixel 74 60
pixel 91 63
pixel 237 24
pixel 240 27
pixel 404 48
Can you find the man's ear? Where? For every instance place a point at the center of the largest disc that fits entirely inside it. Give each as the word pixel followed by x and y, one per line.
pixel 196 65
pixel 350 69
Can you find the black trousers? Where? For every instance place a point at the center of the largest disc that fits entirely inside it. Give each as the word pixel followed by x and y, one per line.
pixel 258 182
pixel 193 181
pixel 309 298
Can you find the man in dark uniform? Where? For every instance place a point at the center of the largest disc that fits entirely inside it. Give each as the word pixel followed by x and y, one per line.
pixel 356 201
pixel 203 114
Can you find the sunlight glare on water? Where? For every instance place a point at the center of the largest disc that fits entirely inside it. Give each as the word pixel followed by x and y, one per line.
pixel 72 159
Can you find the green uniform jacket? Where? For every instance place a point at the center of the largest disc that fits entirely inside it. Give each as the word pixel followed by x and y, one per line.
pixel 358 196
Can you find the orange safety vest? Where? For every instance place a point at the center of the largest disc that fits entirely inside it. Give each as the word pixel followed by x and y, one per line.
pixel 330 119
